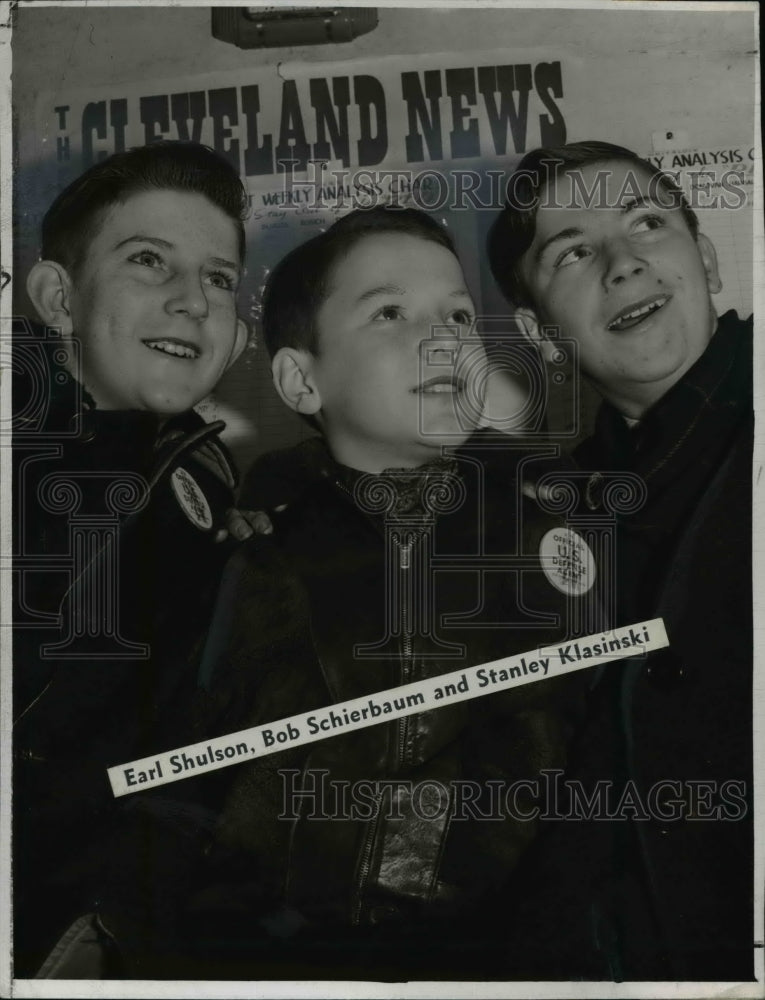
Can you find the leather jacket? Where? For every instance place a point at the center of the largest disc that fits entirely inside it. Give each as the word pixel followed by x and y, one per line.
pixel 115 574
pixel 407 588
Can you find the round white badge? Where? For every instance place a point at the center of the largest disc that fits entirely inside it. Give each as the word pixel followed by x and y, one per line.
pixel 192 500
pixel 567 561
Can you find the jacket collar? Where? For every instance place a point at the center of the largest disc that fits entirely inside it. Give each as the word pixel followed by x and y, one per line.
pixel 72 416
pixel 702 408
pixel 405 493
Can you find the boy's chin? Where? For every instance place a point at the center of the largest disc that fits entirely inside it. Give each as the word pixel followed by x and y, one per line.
pixel 428 449
pixel 166 404
pixel 437 439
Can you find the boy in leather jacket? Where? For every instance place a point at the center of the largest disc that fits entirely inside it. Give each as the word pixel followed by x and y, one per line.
pixel 120 493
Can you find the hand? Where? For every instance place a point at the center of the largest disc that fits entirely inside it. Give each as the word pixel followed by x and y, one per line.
pixel 243 524
pixel 534 491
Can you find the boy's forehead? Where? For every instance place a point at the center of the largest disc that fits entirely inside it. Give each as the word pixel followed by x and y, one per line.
pixel 171 210
pixel 124 206
pixel 609 184
pixel 379 245
pixel 368 257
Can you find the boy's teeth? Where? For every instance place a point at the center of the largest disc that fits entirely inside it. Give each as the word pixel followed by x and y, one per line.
pixel 642 311
pixel 168 347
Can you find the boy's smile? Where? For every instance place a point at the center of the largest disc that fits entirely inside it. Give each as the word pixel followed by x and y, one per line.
pixel 154 302
pixel 442 384
pixel 393 376
pixel 177 348
pixel 627 281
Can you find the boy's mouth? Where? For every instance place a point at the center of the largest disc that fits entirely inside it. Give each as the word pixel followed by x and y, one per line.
pixel 637 312
pixel 441 384
pixel 176 348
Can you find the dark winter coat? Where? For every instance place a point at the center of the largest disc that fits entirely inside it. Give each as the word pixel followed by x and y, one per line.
pixel 285 891
pixel 665 892
pixel 115 577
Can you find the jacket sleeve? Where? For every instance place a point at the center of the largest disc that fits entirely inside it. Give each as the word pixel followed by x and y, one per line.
pixel 162 849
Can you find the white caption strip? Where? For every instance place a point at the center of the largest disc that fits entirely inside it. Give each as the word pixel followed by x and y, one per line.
pixel 384 706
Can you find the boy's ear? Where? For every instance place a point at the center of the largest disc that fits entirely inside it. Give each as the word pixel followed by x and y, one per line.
pixel 292 370
pixel 709 259
pixel 240 341
pixel 529 323
pixel 49 287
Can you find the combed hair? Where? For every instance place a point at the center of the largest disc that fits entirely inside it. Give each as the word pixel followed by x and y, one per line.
pixel 301 281
pixel 512 232
pixel 73 220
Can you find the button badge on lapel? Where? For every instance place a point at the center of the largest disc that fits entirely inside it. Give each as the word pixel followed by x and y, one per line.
pixel 567 561
pixel 191 499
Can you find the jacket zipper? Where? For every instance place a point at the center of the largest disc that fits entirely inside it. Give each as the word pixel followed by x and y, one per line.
pixel 366 859
pixel 407 651
pixel 405 550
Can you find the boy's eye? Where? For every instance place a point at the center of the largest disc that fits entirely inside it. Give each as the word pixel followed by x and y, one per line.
pixel 148 258
pixel 389 313
pixel 648 222
pixel 571 256
pixel 462 317
pixel 219 279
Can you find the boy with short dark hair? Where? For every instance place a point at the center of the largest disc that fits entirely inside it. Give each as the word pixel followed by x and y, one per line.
pixel 603 246
pixel 141 259
pixel 120 491
pixel 412 562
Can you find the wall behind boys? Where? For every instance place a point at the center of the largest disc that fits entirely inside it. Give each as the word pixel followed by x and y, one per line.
pixel 443 94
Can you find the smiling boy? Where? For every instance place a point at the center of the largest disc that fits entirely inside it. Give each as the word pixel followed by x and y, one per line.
pixel 630 280
pixel 120 491
pixel 599 244
pixel 152 300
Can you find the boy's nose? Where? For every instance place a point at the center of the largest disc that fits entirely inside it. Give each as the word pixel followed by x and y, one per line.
pixel 441 350
pixel 621 262
pixel 187 295
pixel 442 344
